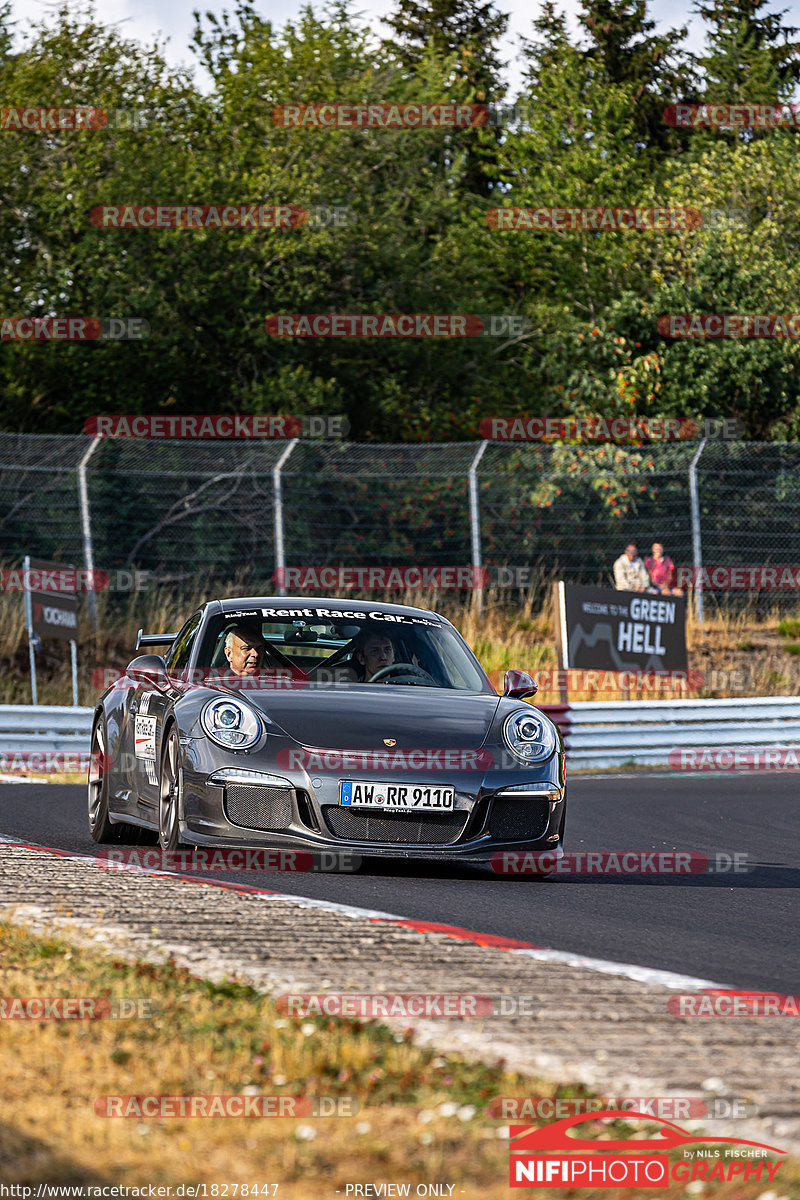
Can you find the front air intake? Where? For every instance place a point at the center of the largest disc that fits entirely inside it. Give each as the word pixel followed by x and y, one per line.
pixel 519 818
pixel 256 807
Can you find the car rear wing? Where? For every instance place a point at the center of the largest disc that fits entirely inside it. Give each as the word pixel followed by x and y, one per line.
pixel 154 639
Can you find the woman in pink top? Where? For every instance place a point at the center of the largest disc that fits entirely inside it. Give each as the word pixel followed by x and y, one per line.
pixel 661 570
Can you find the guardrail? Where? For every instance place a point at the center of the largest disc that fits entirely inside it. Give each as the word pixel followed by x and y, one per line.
pixel 596 734
pixel 31 732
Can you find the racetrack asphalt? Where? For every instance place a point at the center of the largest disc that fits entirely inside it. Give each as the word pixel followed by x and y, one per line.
pixel 738 929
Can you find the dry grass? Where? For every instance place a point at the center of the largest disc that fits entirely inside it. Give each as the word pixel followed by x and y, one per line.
pixel 743 654
pixel 224 1038
pixel 739 654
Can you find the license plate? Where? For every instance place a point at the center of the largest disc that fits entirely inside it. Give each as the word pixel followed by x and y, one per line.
pixel 394 797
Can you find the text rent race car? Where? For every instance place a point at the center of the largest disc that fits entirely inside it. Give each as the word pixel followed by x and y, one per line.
pixel 325 725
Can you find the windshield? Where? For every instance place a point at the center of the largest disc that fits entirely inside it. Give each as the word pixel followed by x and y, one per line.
pixel 339 649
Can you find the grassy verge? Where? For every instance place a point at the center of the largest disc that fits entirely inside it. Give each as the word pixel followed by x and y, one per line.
pixel 422 1115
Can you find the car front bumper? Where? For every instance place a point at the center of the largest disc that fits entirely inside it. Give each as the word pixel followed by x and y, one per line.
pixel 483 823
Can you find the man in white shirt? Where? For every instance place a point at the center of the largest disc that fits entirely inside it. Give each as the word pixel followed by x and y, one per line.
pixel 244 650
pixel 630 573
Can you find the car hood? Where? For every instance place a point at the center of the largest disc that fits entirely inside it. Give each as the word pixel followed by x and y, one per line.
pixel 362 716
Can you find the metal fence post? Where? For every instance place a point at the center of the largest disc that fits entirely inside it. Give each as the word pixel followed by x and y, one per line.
pixel 277 510
pixel 73 653
pixel 86 528
pixel 26 566
pixel 475 526
pixel 697 550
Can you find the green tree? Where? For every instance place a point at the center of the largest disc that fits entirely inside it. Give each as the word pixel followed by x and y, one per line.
pixel 206 292
pixel 623 49
pixel 577 151
pixel 469 29
pixel 465 34
pixel 751 54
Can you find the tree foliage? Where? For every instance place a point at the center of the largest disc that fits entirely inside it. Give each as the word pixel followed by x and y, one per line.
pixel 409 219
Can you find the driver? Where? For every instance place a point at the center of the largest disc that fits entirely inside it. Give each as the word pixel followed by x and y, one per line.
pixel 374 652
pixel 244 650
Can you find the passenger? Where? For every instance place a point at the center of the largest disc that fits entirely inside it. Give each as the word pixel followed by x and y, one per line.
pixel 244 650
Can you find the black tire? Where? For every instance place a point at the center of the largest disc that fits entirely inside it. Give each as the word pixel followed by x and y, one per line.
pixel 100 826
pixel 103 830
pixel 169 837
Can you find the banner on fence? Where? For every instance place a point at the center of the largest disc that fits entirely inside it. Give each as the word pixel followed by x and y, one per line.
pixel 604 629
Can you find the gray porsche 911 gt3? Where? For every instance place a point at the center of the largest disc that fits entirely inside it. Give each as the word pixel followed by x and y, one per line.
pixel 324 725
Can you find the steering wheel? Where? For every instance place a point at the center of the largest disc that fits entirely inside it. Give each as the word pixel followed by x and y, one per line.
pixel 402 670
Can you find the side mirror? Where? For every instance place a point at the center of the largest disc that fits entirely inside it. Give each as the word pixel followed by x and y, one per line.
pixel 518 685
pixel 149 669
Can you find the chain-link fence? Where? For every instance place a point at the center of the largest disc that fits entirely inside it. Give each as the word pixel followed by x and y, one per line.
pixel 176 508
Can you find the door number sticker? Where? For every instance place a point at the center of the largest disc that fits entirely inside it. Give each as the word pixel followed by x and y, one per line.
pixel 146 738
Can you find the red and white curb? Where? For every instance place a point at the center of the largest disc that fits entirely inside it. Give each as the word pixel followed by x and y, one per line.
pixel 640 974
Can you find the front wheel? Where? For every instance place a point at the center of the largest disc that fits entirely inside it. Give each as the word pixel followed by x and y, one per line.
pixel 168 816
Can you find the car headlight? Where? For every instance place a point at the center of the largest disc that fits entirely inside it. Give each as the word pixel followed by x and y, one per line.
pixel 529 736
pixel 231 724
